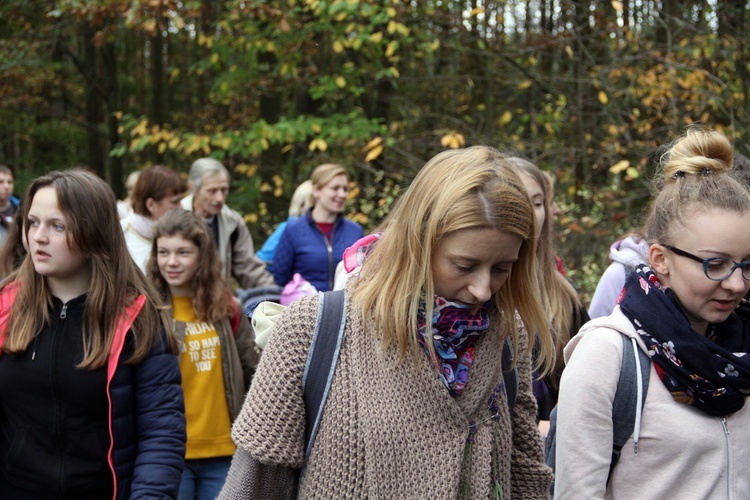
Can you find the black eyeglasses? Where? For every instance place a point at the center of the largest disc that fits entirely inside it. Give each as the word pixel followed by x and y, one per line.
pixel 716 268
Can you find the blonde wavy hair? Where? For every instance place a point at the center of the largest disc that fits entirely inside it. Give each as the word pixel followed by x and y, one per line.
pixel 472 188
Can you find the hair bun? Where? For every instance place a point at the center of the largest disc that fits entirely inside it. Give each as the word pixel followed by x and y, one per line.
pixel 698 152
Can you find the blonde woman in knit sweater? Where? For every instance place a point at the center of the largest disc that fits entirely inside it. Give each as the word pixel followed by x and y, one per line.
pixel 410 414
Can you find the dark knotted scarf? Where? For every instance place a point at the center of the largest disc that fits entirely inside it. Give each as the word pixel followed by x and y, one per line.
pixel 712 372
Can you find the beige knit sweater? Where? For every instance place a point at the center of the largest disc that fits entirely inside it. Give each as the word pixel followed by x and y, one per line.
pixel 389 430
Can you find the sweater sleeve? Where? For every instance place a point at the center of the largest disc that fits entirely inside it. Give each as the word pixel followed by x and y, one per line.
pixel 271 425
pixel 249 479
pixel 247 268
pixel 584 420
pixel 530 477
pixel 160 420
pixel 283 261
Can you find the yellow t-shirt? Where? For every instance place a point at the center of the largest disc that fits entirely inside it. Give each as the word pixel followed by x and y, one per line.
pixel 206 410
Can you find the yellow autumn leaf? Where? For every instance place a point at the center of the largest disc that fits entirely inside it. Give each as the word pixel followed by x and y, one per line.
pixel 391 12
pixel 453 140
pixel 214 58
pixel 603 97
pixel 338 47
pixel 250 218
pixel 340 82
pixel 569 51
pixel 506 117
pixel 373 153
pixel 391 49
pixel 193 145
pixel 475 12
pixel 524 84
pixel 174 142
pixel 140 129
pixel 316 128
pixel 632 173
pixel 376 37
pixel 374 142
pixel 618 167
pixel 162 147
pixel 318 144
pixel 617 5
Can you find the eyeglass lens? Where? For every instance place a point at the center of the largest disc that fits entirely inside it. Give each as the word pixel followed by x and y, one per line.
pixel 719 269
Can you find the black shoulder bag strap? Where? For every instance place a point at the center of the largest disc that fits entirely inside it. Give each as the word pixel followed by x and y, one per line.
pixel 322 360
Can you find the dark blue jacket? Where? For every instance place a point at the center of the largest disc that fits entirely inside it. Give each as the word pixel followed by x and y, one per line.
pixel 304 249
pixel 147 412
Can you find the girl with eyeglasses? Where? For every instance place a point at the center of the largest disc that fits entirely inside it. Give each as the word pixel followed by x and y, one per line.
pixel 690 437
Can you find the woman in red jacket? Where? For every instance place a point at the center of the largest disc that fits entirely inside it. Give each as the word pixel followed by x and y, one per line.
pixel 90 399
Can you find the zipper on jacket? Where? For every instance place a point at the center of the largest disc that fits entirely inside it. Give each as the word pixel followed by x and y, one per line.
pixel 329 247
pixel 63 315
pixel 57 427
pixel 724 426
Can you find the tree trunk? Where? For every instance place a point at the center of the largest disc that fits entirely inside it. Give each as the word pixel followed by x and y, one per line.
pixel 95 150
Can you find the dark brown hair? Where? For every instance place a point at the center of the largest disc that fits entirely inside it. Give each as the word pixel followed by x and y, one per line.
pixel 92 227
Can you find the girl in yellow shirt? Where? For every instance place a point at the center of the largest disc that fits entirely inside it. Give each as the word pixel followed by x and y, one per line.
pixel 217 353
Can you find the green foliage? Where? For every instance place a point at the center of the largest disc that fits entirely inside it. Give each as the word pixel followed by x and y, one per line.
pixel 588 92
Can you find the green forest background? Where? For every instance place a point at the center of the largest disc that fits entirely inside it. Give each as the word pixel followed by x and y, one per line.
pixel 588 90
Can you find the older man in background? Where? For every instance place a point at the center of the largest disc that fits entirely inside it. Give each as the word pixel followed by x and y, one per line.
pixel 208 182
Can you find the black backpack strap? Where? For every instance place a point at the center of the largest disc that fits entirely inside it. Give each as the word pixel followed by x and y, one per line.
pixel 510 375
pixel 627 406
pixel 322 360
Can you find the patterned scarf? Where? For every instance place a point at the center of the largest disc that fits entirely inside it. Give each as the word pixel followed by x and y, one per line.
pixel 455 330
pixel 712 372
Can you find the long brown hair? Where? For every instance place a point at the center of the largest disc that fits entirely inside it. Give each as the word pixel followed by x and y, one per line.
pixel 212 298
pixel 93 228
